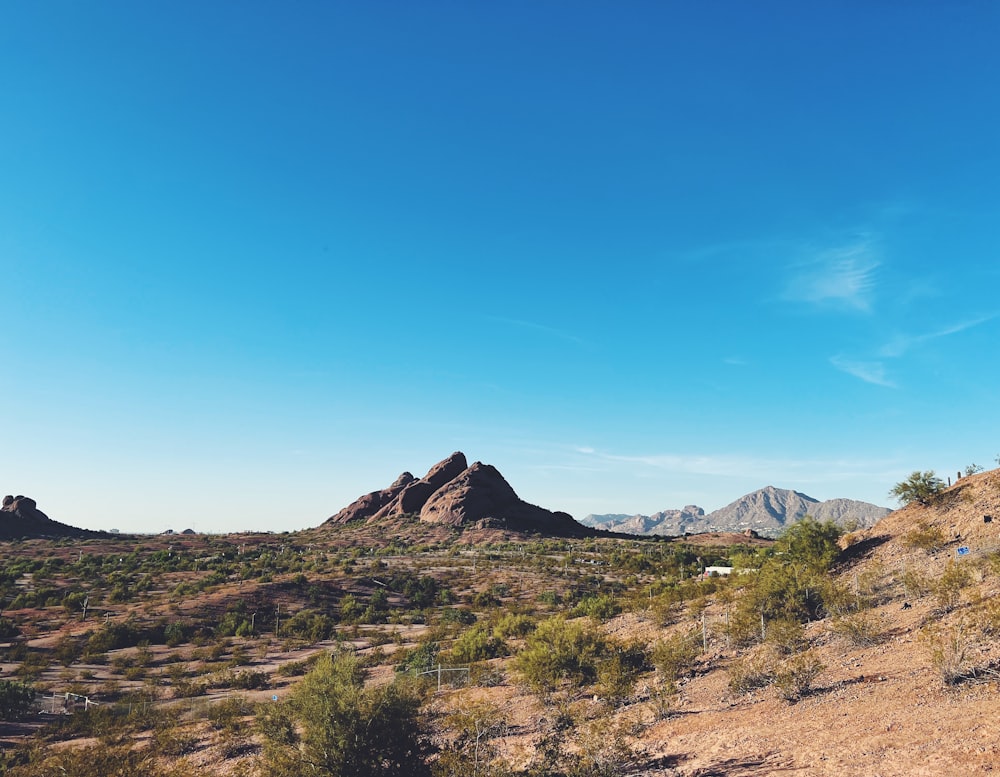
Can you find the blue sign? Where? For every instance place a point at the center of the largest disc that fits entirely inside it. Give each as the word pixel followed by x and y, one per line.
pixel 274 698
pixel 963 551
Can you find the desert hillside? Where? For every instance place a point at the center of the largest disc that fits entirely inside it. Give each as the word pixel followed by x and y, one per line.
pixel 513 653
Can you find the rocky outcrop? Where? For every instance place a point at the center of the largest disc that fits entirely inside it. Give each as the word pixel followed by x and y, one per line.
pixel 413 496
pixel 21 518
pixel 481 496
pixel 367 506
pixel 461 496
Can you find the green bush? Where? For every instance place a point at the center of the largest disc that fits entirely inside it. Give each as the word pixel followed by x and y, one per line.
pixel 750 672
pixel 514 625
pixel 618 672
pixel 477 644
pixel 560 650
pixel 794 677
pixel 676 654
pixel 862 629
pixel 8 630
pixel 948 588
pixel 347 730
pixel 601 608
pixel 920 487
pixel 16 700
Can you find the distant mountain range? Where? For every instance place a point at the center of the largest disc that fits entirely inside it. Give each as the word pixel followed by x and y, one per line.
pixel 766 511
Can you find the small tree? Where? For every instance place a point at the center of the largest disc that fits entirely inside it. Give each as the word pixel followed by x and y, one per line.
pixel 333 726
pixel 15 700
pixel 919 487
pixel 560 650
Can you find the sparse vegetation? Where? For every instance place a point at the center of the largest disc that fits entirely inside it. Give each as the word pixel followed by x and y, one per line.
pixel 584 643
pixel 925 537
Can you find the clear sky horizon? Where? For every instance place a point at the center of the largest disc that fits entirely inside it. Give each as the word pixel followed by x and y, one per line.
pixel 258 258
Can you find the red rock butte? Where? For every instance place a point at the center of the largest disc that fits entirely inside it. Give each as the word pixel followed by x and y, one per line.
pixel 455 494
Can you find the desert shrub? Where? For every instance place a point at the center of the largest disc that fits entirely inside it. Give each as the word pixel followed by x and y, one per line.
pixel 753 671
pixel 600 748
pixel 294 668
pixel 175 633
pixel 838 599
pixel 810 543
pixel 189 689
pixel 8 629
pixel 68 650
pixel 477 644
pixel 618 672
pixel 948 650
pixel 948 588
pixel 676 654
pixel 100 761
pixel 786 588
pixel 227 720
pixel 786 635
pixel 560 650
pixel 457 615
pixel 310 626
pixel 915 582
pixel 600 608
pixel 484 600
pixel 16 700
pixel 422 658
pixel 32 666
pixel 742 627
pixel 173 741
pixel 350 608
pixel 925 537
pixel 475 749
pixel 793 677
pixel 347 730
pixel 249 680
pixel 861 629
pixel 514 625
pixel 124 634
pixel 236 622
pixel 988 618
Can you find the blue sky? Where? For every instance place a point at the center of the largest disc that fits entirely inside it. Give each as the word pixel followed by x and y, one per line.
pixel 257 259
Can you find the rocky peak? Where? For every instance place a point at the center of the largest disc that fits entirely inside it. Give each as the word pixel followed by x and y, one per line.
pixel 454 494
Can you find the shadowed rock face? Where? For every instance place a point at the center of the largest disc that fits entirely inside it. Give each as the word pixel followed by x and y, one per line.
pixel 454 494
pixel 413 497
pixel 366 506
pixel 20 517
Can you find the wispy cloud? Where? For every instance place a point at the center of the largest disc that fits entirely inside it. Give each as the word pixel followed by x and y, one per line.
pixel 763 469
pixel 874 371
pixel 869 371
pixel 901 343
pixel 842 277
pixel 539 328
